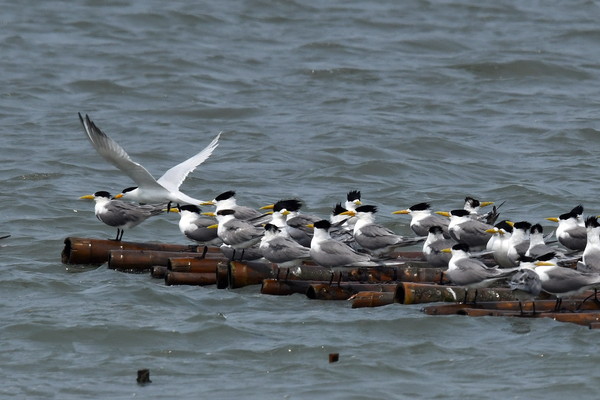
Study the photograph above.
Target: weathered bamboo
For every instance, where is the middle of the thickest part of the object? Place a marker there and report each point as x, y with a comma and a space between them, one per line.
581, 318
144, 260
415, 293
327, 291
159, 271
190, 278
222, 275
250, 273
192, 264
278, 287
372, 299
96, 251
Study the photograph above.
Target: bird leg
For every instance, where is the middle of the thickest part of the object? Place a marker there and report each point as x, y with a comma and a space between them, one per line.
287, 273
558, 304
441, 277
339, 279
533, 306
466, 293
521, 307
119, 234
331, 279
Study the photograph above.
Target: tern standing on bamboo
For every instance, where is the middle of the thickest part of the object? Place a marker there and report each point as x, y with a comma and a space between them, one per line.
120, 214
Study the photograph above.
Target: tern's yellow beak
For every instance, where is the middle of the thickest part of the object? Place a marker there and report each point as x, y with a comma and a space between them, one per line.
119, 196
209, 213
447, 250
485, 203
349, 212
172, 209
310, 225
512, 224
494, 230
268, 207
444, 213
88, 197
401, 212
213, 226
553, 219
544, 263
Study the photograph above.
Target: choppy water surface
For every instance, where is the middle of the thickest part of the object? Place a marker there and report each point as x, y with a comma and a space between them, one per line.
407, 101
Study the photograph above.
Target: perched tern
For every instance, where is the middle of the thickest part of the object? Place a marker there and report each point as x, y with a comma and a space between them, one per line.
227, 201
120, 214
195, 226
433, 246
526, 284
473, 206
330, 253
352, 201
281, 249
236, 233
374, 238
463, 270
590, 261
422, 218
465, 229
148, 190
297, 224
499, 242
564, 282
537, 244
570, 233
518, 244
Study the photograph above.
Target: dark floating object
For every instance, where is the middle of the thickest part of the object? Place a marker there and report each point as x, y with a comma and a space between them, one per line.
334, 357
143, 376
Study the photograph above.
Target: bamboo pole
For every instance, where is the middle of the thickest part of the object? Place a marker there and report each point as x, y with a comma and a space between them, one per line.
192, 264
328, 291
159, 271
96, 251
372, 299
190, 278
222, 275
415, 293
143, 260
278, 287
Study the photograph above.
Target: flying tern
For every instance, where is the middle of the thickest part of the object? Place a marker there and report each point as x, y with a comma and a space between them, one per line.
148, 190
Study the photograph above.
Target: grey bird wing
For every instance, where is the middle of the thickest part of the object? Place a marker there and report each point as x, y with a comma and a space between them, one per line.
376, 236
564, 280
336, 253
282, 249
471, 272
116, 155
175, 176
240, 232
300, 222
122, 213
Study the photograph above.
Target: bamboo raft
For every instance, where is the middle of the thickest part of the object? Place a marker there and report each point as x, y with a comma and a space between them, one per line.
409, 281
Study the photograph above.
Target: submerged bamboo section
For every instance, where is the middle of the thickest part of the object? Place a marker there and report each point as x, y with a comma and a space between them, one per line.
144, 260
573, 311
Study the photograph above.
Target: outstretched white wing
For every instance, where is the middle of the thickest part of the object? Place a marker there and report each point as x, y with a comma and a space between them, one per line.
175, 176
113, 153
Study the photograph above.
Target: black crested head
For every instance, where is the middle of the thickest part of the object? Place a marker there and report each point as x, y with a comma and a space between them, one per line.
536, 228
504, 225
461, 246
577, 210
338, 209
226, 212
526, 259
566, 216
472, 202
591, 222
190, 208
523, 225
420, 207
460, 213
353, 195
367, 209
436, 230
225, 195
547, 256
129, 189
290, 205
322, 224
102, 193
271, 228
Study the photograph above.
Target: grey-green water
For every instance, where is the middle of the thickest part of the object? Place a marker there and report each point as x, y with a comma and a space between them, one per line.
407, 101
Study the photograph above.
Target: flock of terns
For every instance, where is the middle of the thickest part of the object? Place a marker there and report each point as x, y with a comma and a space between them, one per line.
461, 241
